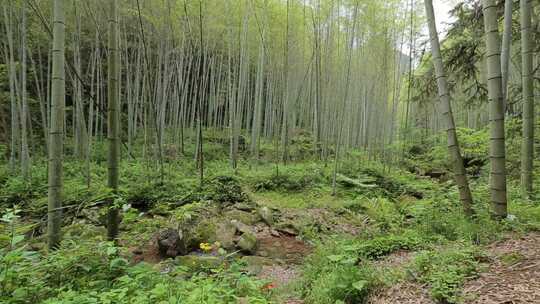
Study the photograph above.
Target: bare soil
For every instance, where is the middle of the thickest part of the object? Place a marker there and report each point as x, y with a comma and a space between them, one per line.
511, 277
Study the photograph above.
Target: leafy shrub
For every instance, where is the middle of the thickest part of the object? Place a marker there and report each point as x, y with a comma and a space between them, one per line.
382, 212
15, 190
95, 272
446, 270
443, 218
220, 189
280, 182
384, 245
331, 273
339, 269
294, 179
344, 283
141, 284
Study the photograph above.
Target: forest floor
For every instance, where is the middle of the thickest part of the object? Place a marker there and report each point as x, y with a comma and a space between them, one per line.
511, 275
254, 236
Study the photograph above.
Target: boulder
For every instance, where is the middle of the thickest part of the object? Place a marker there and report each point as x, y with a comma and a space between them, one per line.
171, 243
225, 233
204, 231
198, 262
254, 264
267, 216
244, 206
243, 228
247, 243
245, 217
287, 228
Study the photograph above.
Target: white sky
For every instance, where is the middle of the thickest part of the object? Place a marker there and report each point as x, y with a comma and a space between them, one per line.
442, 15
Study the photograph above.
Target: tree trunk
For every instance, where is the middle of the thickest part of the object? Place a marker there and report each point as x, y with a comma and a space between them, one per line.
56, 135
113, 130
505, 53
8, 16
460, 175
497, 151
25, 154
527, 148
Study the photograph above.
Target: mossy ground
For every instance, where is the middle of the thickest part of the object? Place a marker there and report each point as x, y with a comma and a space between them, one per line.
385, 211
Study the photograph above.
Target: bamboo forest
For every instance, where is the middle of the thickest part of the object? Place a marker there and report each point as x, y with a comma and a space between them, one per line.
270, 151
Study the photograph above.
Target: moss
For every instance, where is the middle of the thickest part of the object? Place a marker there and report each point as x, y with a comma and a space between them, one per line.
203, 232
198, 263
245, 217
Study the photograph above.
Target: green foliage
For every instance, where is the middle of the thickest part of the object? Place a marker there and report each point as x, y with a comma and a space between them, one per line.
442, 218
383, 245
142, 284
330, 272
446, 270
292, 179
15, 190
221, 189
381, 212
431, 155
96, 272
339, 269
342, 284
388, 182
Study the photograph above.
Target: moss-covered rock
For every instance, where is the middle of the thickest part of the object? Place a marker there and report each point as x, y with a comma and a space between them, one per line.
204, 231
171, 243
254, 264
247, 243
245, 217
225, 234
198, 262
266, 214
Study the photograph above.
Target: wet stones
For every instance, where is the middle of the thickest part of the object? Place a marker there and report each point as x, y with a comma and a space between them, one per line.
171, 243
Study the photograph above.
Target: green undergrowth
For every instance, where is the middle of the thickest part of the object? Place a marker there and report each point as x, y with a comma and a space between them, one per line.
90, 270
391, 210
446, 245
341, 269
445, 270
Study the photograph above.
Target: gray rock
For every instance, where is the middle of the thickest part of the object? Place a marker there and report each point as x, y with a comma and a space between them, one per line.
267, 215
254, 264
274, 232
287, 228
198, 262
247, 243
171, 243
245, 217
93, 216
225, 233
243, 228
244, 206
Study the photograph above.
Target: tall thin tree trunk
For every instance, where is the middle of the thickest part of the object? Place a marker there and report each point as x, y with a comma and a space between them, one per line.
505, 52
56, 135
8, 16
527, 148
25, 154
497, 176
460, 175
113, 125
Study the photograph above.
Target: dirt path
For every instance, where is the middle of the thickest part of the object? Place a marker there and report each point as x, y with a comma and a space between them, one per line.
404, 292
512, 277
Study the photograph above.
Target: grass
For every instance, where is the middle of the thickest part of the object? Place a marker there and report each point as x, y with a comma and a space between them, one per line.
399, 212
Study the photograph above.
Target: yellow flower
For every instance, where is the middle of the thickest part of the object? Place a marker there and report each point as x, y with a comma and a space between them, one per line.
205, 247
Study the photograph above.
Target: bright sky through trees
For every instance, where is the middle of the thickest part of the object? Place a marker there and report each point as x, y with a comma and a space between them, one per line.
442, 14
